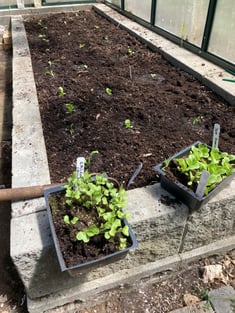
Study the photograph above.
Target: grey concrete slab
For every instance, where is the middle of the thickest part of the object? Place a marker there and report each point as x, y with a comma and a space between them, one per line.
28, 146
209, 224
223, 299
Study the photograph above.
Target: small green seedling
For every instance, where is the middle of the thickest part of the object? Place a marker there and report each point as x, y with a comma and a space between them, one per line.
39, 22
197, 120
127, 123
49, 73
204, 293
71, 129
50, 63
106, 38
65, 22
88, 160
81, 45
61, 91
69, 107
72, 221
83, 67
153, 75
69, 34
43, 37
96, 26
130, 51
109, 91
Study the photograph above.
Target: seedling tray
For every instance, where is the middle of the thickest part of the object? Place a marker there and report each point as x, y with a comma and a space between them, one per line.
84, 267
182, 192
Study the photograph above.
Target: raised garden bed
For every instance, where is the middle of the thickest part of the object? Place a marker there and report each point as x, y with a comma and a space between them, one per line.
109, 77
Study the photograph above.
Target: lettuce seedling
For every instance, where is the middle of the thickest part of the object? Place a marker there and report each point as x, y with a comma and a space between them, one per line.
69, 107
61, 91
219, 164
109, 91
98, 194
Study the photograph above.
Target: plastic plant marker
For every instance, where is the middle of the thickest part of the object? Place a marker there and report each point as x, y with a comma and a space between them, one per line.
202, 184
216, 132
80, 167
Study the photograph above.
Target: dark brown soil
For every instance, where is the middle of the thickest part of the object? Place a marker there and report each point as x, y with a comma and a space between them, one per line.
167, 107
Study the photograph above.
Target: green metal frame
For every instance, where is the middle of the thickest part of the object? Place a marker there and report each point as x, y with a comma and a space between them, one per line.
200, 50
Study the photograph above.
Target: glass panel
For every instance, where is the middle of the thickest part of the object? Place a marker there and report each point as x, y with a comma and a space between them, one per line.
116, 2
183, 18
14, 2
139, 8
222, 36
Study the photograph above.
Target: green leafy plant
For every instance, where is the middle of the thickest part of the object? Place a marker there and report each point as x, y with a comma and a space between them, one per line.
70, 107
127, 123
81, 45
204, 294
61, 91
98, 196
72, 221
88, 160
109, 91
130, 51
40, 23
96, 26
71, 129
153, 75
49, 73
43, 37
200, 158
197, 120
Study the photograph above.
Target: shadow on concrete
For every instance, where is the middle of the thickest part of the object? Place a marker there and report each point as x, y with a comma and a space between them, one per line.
11, 287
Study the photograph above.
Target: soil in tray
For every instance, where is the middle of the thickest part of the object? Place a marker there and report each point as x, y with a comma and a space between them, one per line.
168, 109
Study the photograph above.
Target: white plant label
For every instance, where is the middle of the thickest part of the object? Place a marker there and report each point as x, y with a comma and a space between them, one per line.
202, 184
216, 132
80, 167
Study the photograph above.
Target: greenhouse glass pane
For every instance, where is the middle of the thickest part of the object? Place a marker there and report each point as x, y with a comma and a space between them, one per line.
115, 2
184, 18
14, 2
222, 36
139, 8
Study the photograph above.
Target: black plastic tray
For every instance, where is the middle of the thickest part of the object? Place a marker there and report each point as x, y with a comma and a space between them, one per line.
84, 267
183, 193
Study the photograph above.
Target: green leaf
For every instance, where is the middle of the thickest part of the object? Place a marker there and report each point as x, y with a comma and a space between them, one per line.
74, 220
125, 231
107, 235
82, 236
92, 231
109, 91
66, 219
115, 225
